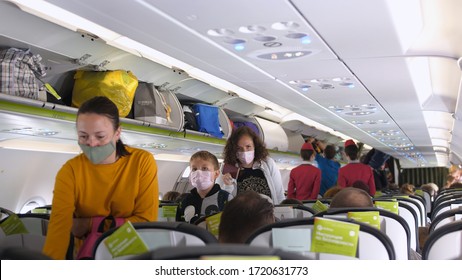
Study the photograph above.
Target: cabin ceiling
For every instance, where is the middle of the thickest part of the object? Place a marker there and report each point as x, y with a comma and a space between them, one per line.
382, 72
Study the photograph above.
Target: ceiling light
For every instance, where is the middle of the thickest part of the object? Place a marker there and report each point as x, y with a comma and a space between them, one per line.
264, 38
283, 55
285, 25
152, 146
220, 32
31, 131
252, 29
440, 149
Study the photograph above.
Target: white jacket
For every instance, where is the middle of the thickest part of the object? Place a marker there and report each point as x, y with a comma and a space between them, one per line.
272, 175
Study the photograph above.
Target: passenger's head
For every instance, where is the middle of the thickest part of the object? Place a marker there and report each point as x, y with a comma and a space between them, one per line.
329, 151
307, 152
430, 188
291, 201
450, 180
351, 197
98, 125
204, 171
359, 184
170, 196
244, 146
456, 185
407, 189
331, 192
351, 150
244, 214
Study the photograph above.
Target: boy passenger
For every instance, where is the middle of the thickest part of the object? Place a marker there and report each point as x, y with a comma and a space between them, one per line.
206, 198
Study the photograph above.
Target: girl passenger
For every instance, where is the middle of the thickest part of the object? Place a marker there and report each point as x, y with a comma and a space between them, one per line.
256, 170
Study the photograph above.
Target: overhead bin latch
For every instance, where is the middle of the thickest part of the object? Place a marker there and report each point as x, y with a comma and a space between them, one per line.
82, 60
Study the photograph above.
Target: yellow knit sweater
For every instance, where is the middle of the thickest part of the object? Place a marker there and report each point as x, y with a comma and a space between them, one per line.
127, 188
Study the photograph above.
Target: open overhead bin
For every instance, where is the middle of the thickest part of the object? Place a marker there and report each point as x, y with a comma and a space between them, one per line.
273, 135
240, 106
305, 130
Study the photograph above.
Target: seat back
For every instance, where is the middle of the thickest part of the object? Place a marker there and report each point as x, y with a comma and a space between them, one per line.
372, 244
410, 216
445, 218
21, 253
394, 226
32, 242
160, 234
35, 223
286, 211
420, 213
165, 214
445, 206
445, 243
228, 251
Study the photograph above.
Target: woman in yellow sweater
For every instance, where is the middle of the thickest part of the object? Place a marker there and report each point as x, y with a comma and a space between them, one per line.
108, 178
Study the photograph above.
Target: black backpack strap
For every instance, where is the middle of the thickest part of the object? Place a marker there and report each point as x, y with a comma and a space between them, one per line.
222, 199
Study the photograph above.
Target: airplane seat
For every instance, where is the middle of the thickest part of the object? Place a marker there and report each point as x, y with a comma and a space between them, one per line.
394, 226
183, 185
21, 253
445, 218
372, 244
35, 223
33, 242
445, 243
167, 212
225, 251
446, 206
160, 234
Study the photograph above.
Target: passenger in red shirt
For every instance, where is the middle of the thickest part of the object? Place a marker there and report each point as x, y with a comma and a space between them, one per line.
355, 170
305, 179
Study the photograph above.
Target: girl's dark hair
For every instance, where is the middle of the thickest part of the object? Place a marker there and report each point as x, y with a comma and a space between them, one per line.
102, 105
230, 150
352, 152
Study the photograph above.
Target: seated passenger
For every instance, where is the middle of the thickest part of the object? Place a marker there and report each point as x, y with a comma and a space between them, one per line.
170, 196
360, 185
407, 189
291, 201
247, 212
206, 198
331, 192
351, 197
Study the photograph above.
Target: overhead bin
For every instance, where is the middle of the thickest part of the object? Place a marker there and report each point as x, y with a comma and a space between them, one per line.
273, 135
241, 106
297, 126
295, 141
198, 90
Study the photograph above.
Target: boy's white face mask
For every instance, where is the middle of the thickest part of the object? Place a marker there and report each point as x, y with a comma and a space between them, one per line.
201, 180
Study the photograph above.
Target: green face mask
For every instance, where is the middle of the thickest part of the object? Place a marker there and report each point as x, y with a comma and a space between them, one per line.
99, 153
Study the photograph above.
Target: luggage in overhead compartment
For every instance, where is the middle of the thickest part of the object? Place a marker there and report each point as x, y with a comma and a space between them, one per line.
150, 105
207, 119
251, 125
21, 74
118, 85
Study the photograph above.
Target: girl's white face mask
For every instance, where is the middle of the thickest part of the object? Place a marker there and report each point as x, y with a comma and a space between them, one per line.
246, 157
201, 180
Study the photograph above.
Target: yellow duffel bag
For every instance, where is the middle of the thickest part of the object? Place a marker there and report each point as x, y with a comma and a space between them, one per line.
117, 85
